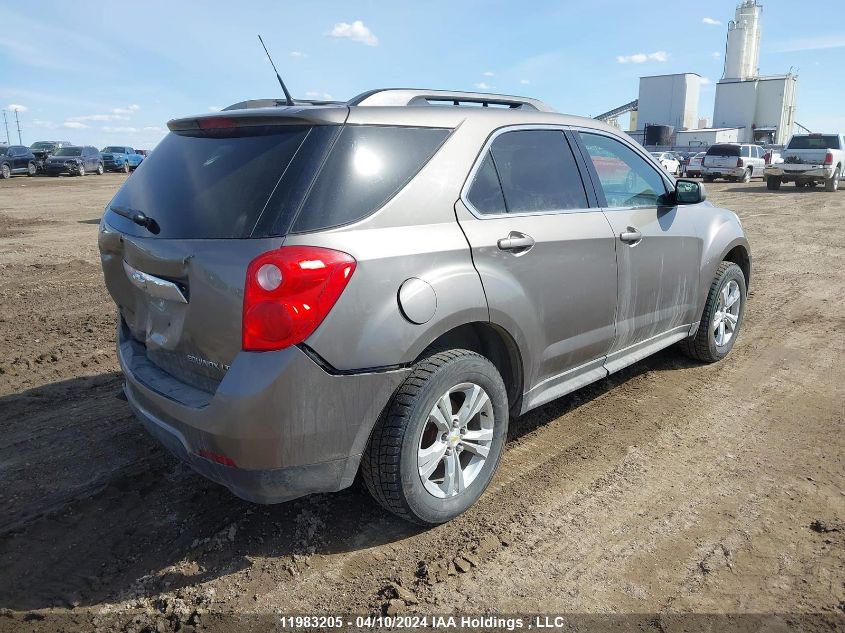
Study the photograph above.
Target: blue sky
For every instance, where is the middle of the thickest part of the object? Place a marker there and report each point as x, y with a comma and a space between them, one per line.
104, 73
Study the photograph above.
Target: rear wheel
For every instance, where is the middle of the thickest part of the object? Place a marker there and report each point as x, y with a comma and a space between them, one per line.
435, 449
773, 183
5, 171
746, 177
722, 316
832, 183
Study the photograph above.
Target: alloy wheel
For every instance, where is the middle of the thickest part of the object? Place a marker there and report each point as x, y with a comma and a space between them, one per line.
726, 318
456, 439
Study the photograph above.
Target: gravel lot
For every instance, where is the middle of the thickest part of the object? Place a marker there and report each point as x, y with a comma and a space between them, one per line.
669, 487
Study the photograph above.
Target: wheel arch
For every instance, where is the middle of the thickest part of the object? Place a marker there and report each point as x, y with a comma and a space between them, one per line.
494, 343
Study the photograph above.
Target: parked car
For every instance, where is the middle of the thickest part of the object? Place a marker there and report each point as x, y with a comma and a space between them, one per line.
693, 169
16, 159
120, 158
733, 162
75, 161
44, 149
809, 160
668, 162
309, 293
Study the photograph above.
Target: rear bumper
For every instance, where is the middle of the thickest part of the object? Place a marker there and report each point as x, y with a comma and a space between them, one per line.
289, 427
723, 172
810, 171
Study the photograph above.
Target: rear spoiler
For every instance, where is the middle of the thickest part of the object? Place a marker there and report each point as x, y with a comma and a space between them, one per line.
309, 114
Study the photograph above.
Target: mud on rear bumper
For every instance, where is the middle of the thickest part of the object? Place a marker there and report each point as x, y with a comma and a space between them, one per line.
290, 427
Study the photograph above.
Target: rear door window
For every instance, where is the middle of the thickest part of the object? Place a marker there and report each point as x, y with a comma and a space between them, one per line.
537, 172
485, 194
367, 166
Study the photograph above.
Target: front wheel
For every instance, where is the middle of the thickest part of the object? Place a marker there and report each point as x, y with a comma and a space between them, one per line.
5, 171
100, 169
80, 170
125, 168
773, 183
435, 449
722, 316
832, 183
31, 169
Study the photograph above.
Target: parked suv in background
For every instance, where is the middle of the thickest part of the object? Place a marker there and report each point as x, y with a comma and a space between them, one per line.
42, 150
75, 161
733, 162
808, 160
16, 159
120, 158
314, 291
694, 166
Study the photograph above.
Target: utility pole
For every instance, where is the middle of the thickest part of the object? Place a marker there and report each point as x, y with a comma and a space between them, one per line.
6, 123
18, 121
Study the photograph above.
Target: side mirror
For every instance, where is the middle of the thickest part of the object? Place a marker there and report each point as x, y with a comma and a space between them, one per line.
689, 192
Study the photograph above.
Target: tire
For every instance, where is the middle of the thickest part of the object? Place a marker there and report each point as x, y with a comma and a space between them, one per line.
832, 183
773, 183
81, 170
100, 169
709, 179
704, 346
746, 177
5, 172
31, 169
390, 466
125, 168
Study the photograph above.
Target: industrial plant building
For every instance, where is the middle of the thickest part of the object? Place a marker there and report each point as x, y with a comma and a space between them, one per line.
749, 108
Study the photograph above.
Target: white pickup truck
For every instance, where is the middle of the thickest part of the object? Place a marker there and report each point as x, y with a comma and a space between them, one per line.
808, 160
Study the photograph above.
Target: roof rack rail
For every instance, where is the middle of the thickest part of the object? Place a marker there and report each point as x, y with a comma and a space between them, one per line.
416, 97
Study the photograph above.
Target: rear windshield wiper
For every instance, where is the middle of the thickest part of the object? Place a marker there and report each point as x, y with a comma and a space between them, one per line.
138, 217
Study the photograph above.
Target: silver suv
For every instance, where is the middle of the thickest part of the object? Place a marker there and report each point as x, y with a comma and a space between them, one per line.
310, 292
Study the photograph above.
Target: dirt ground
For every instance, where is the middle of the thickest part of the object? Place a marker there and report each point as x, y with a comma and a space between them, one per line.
671, 487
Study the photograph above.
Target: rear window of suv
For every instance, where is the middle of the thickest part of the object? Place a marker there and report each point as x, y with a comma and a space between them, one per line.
823, 141
263, 181
724, 150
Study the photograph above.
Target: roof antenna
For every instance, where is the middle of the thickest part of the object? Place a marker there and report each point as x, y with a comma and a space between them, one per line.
288, 98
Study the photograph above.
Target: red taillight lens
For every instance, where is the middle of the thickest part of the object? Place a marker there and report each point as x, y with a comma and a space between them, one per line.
217, 457
289, 292
828, 160
739, 162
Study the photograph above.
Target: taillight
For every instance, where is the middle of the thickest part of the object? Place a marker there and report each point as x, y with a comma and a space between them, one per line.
288, 293
828, 160
739, 162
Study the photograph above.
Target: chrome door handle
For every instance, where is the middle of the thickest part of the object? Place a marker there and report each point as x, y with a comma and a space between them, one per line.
516, 241
631, 235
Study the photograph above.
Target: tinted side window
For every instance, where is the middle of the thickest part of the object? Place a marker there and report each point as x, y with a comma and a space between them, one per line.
626, 178
538, 171
485, 194
746, 151
367, 166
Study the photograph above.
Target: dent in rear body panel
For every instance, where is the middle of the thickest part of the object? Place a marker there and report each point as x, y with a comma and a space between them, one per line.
271, 410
